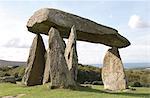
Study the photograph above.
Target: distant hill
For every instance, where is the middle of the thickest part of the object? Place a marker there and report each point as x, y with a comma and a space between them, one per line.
11, 63
129, 65
126, 65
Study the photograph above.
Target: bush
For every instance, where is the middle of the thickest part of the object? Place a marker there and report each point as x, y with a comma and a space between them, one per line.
16, 71
88, 74
2, 73
7, 74
136, 84
138, 77
5, 68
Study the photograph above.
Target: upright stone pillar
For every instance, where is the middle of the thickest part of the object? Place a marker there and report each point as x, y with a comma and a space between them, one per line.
46, 77
113, 74
36, 63
59, 74
71, 54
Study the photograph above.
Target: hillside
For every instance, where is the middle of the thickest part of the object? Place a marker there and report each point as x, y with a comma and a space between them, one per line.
11, 63
126, 65
89, 75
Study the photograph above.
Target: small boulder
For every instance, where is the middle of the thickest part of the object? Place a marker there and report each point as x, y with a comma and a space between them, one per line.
97, 83
10, 79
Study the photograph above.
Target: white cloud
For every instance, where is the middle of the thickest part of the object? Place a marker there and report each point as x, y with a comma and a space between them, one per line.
135, 21
139, 50
15, 40
16, 43
13, 29
14, 54
136, 53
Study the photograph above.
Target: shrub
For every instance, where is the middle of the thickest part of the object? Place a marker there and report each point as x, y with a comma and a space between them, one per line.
5, 68
7, 74
2, 73
17, 72
88, 73
138, 75
136, 84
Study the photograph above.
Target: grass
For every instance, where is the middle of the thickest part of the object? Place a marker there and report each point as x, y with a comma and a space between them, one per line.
42, 91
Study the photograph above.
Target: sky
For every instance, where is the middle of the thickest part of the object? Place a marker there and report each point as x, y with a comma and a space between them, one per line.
130, 17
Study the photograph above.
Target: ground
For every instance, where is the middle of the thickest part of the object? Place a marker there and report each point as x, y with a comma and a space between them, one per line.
42, 91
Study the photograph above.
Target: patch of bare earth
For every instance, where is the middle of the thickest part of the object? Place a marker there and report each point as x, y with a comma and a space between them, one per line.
17, 96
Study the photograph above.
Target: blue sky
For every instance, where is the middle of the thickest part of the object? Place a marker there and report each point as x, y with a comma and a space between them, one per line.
130, 17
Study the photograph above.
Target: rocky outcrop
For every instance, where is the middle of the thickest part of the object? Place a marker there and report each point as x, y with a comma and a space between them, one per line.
71, 54
113, 75
87, 30
46, 78
10, 79
59, 73
36, 63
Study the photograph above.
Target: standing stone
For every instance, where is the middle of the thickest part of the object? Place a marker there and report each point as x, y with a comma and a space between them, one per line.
71, 54
59, 73
113, 75
36, 63
46, 78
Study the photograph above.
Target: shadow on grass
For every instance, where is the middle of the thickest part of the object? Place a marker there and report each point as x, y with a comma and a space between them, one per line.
129, 93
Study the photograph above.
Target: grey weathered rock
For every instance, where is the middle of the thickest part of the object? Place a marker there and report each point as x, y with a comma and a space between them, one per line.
87, 30
71, 54
113, 75
36, 63
59, 73
46, 77
10, 79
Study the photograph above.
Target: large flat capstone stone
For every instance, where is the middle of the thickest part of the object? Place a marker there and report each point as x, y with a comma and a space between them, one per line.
87, 30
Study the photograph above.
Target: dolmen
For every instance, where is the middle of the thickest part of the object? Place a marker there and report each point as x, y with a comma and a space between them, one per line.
59, 63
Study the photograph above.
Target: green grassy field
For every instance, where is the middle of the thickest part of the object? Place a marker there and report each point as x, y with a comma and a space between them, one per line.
42, 91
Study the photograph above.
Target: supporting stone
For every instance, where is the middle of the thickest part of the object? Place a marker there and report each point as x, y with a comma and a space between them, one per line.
59, 73
113, 74
36, 63
71, 54
46, 77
